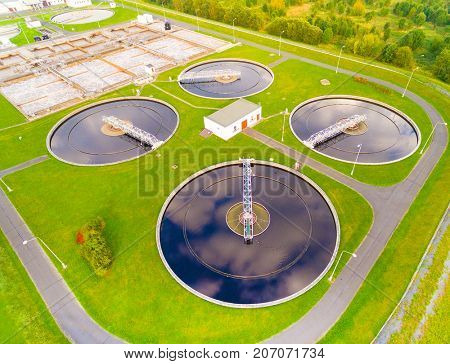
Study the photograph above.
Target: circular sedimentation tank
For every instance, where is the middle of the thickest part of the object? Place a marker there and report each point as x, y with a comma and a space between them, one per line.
82, 138
254, 78
386, 136
82, 16
200, 235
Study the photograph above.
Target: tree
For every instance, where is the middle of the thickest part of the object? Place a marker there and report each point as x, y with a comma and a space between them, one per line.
94, 247
369, 45
358, 8
327, 35
420, 18
404, 57
388, 53
414, 39
441, 67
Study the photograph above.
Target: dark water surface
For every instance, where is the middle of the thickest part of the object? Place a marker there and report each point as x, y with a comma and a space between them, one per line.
389, 136
79, 139
254, 78
209, 258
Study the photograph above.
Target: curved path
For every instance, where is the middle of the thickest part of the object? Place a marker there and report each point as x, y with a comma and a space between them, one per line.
389, 205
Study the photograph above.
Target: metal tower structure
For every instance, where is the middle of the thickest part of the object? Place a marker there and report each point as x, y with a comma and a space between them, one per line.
134, 132
208, 76
247, 200
333, 130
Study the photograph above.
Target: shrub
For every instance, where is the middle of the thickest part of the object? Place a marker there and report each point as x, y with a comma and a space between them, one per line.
441, 67
295, 29
95, 248
404, 57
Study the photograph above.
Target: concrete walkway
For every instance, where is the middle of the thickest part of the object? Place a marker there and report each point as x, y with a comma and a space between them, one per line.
72, 319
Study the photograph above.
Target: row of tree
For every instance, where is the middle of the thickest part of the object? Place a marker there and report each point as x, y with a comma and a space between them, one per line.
212, 9
296, 29
433, 11
338, 29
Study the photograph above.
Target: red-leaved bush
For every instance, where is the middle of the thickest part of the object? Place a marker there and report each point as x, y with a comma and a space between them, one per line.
80, 237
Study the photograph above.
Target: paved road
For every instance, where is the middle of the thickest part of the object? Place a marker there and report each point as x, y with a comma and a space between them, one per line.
74, 322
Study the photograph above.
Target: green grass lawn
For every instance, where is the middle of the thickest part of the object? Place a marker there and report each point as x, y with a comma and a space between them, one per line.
437, 326
24, 316
144, 303
26, 34
388, 279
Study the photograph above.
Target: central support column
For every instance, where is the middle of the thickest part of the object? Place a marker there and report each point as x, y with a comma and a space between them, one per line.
247, 200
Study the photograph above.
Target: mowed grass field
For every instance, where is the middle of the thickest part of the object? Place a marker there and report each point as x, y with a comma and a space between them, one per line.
138, 300
24, 316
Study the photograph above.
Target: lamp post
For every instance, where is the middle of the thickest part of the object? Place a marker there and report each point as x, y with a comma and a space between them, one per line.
409, 80
7, 187
285, 112
429, 136
356, 160
25, 242
339, 58
279, 45
337, 263
164, 11
234, 33
24, 33
137, 10
196, 14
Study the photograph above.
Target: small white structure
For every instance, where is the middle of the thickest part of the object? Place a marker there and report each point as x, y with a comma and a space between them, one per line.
233, 118
78, 3
145, 19
149, 70
33, 24
112, 4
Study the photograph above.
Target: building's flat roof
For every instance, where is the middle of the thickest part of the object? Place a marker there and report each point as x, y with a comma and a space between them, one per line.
233, 112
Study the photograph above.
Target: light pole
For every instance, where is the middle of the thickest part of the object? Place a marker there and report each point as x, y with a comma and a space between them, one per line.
409, 80
25, 242
285, 112
234, 33
339, 58
356, 160
279, 45
24, 33
164, 11
137, 10
429, 136
337, 263
7, 187
196, 14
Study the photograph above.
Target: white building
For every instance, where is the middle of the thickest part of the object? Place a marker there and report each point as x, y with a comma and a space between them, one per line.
145, 19
13, 6
78, 3
233, 118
